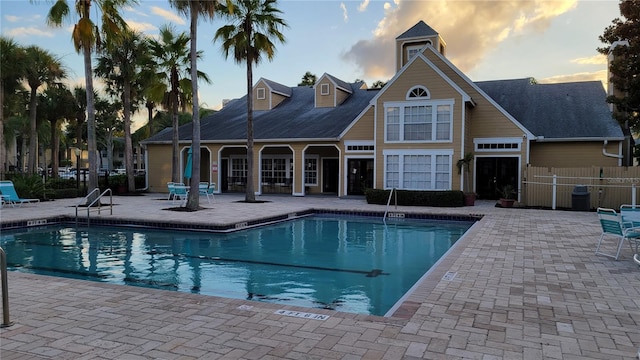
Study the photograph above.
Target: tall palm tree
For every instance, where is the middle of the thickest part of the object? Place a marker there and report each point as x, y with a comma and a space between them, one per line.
254, 23
171, 56
41, 68
86, 37
120, 65
207, 9
11, 71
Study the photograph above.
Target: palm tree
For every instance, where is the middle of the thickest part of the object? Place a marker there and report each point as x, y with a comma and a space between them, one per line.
79, 117
87, 37
56, 104
41, 68
11, 71
120, 65
254, 24
208, 9
171, 56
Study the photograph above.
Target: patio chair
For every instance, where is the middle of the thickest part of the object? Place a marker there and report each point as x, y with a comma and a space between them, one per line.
10, 196
207, 189
180, 192
613, 226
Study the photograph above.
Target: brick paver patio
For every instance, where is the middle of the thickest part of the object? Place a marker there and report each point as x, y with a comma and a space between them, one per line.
522, 284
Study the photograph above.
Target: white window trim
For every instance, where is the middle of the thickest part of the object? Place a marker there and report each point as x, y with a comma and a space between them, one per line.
415, 48
502, 140
317, 171
324, 89
433, 153
434, 104
261, 95
349, 143
418, 98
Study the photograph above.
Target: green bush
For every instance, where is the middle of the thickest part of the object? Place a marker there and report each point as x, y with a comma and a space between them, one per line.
452, 198
29, 186
64, 193
60, 183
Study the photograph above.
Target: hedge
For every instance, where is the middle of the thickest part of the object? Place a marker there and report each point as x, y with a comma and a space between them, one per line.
452, 198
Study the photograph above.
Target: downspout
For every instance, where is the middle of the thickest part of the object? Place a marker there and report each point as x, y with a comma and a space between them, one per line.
605, 153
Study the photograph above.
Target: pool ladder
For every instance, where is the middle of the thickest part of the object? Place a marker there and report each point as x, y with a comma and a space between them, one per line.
94, 202
393, 190
5, 290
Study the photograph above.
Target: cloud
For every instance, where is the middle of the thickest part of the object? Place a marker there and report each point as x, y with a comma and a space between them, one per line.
600, 75
345, 15
167, 15
470, 28
363, 5
142, 27
592, 60
11, 18
29, 31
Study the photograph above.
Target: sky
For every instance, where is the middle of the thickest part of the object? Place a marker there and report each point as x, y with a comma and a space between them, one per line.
549, 40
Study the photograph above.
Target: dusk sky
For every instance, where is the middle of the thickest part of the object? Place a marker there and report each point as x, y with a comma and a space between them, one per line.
552, 41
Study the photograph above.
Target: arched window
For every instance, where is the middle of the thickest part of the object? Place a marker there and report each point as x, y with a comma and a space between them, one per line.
418, 92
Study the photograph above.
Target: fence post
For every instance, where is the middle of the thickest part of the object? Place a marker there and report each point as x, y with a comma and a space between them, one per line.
553, 192
633, 194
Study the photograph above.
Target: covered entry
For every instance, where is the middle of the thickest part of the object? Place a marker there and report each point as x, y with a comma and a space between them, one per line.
492, 173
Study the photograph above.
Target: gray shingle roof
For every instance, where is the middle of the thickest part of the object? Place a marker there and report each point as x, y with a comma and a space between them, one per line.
294, 118
418, 30
342, 84
279, 88
563, 110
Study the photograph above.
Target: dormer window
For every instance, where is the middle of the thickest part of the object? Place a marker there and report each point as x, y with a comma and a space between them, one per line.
324, 89
418, 92
261, 93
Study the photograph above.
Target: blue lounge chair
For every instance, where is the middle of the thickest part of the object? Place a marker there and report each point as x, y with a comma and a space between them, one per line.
613, 226
10, 196
207, 189
180, 192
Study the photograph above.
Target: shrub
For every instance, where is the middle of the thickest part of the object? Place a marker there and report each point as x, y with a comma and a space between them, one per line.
29, 186
454, 198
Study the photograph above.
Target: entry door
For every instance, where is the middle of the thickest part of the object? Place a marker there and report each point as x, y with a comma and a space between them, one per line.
492, 173
330, 175
360, 176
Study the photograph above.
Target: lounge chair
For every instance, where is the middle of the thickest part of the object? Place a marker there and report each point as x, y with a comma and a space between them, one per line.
207, 189
180, 192
10, 196
613, 226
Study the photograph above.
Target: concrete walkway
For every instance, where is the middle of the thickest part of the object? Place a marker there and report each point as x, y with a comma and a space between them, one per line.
521, 284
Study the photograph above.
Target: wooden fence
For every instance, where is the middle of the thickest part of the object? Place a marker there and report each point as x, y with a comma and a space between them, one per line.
608, 186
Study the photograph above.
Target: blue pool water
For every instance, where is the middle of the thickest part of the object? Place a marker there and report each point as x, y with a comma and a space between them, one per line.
350, 264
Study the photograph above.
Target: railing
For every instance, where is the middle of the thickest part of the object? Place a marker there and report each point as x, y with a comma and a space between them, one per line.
384, 218
94, 202
5, 290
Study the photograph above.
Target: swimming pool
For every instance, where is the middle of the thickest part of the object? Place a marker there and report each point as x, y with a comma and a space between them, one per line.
351, 264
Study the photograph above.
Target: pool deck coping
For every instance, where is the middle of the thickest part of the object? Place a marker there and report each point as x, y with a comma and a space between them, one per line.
521, 284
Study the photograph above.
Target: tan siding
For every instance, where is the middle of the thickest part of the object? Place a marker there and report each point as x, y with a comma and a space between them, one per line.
325, 100
438, 89
363, 129
276, 99
341, 96
261, 104
159, 167
576, 154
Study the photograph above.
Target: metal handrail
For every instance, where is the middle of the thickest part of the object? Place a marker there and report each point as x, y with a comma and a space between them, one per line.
96, 200
6, 322
384, 218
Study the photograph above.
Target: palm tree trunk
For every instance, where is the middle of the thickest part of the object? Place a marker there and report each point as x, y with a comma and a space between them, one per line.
55, 149
91, 126
193, 202
33, 134
250, 195
128, 149
2, 142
